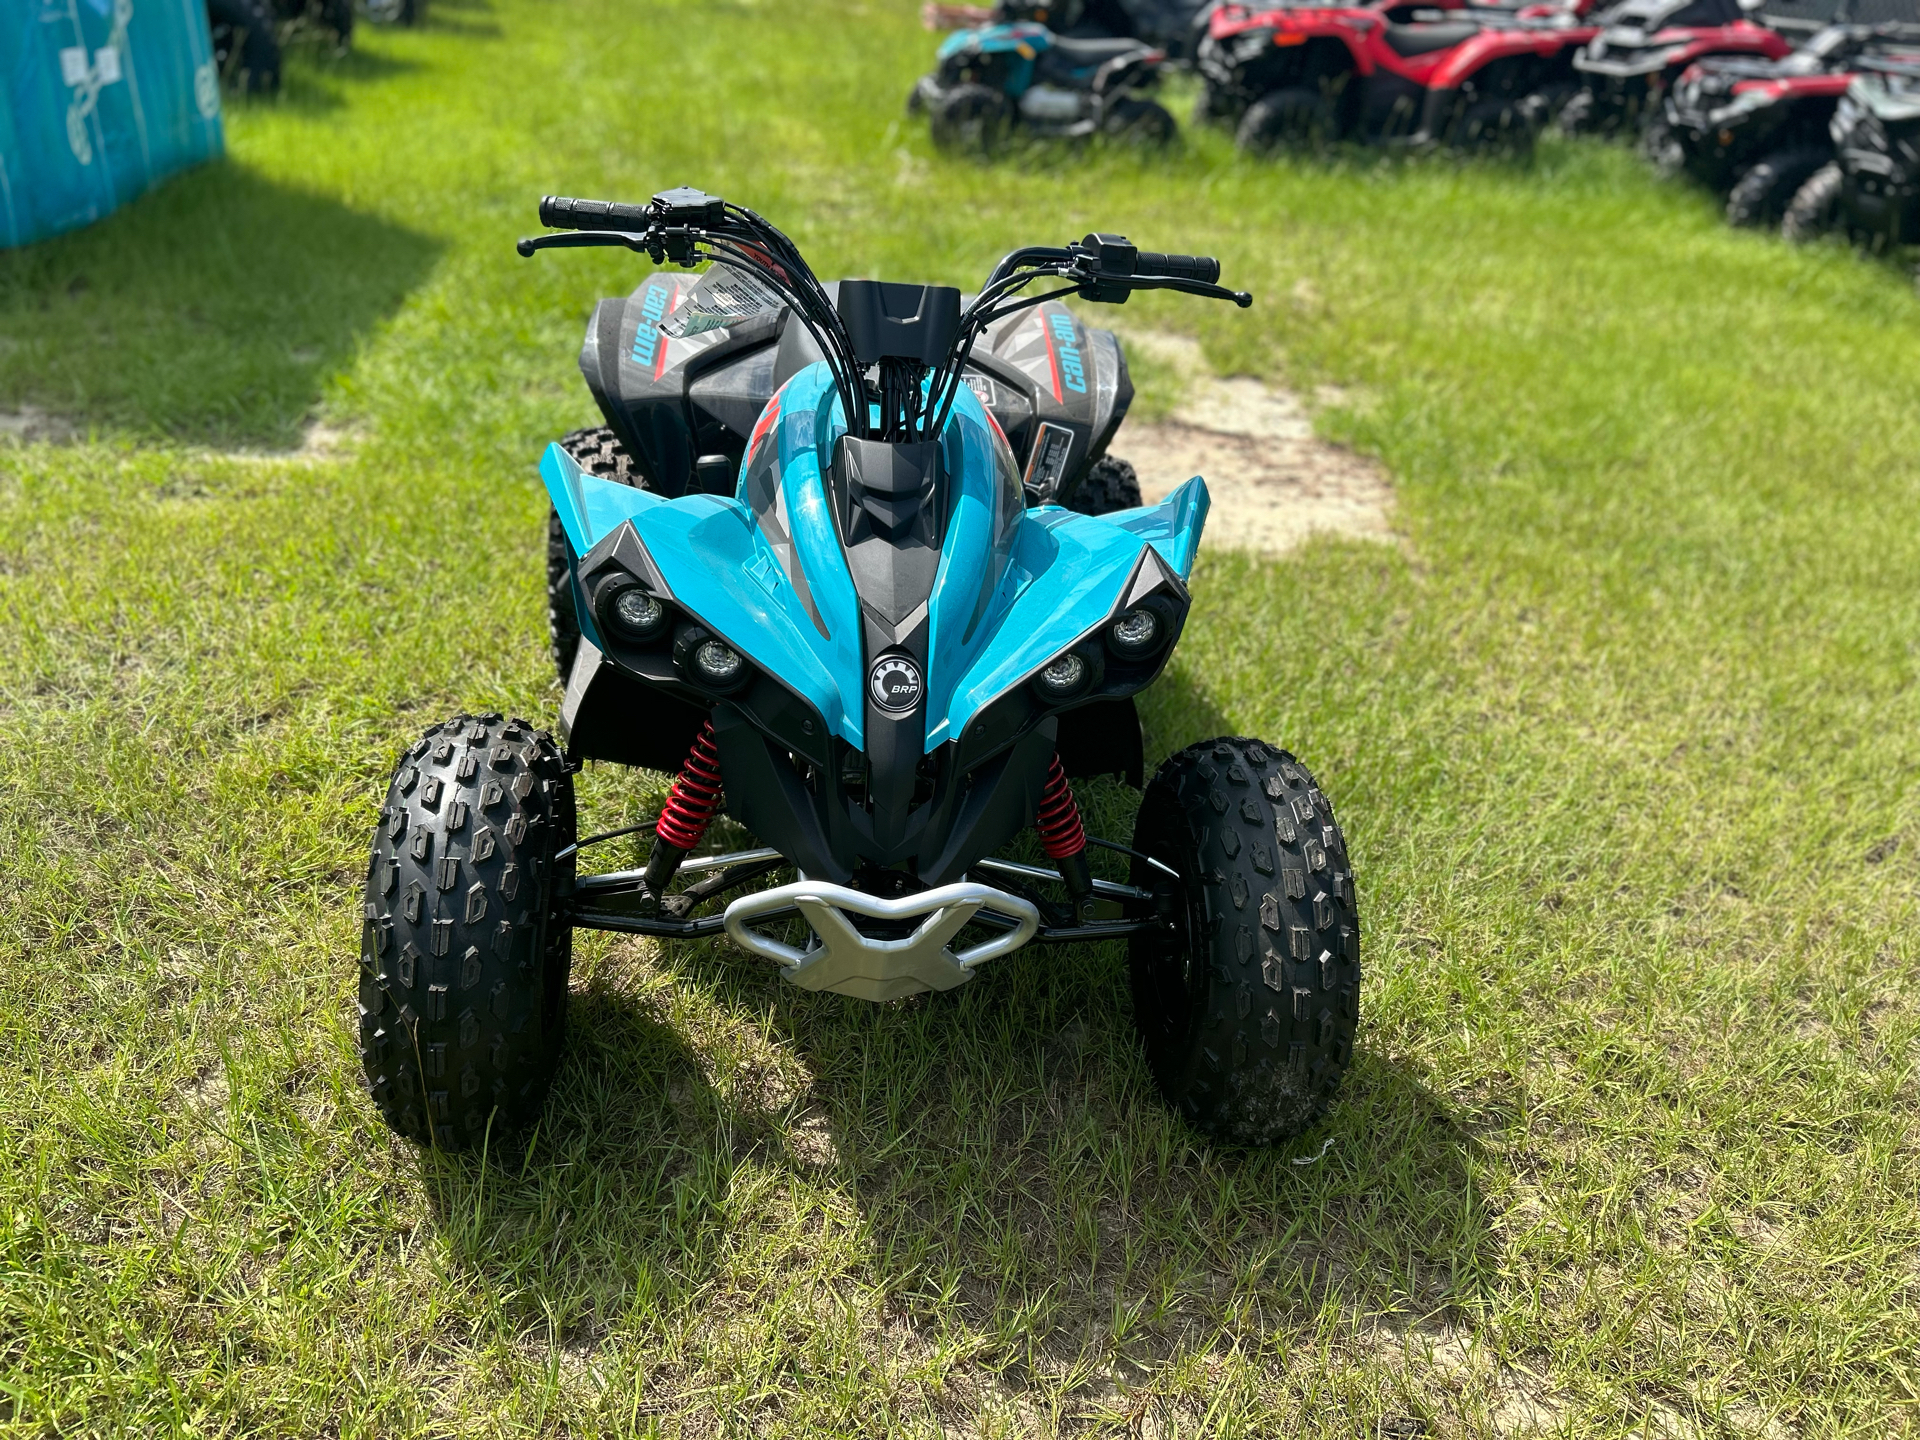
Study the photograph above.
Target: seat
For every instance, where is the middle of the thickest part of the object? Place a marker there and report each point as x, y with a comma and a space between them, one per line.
1091, 54
1425, 39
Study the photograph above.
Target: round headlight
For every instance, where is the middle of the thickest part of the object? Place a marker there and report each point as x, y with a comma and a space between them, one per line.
1063, 676
638, 613
717, 663
1135, 633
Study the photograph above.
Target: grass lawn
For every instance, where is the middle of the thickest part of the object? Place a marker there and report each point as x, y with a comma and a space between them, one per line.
1623, 735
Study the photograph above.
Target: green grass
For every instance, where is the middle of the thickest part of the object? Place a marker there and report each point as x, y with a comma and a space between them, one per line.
1623, 735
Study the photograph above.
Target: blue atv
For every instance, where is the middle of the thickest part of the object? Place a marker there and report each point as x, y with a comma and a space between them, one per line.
883, 651
999, 78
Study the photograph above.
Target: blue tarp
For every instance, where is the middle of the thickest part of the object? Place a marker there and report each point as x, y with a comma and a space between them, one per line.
100, 101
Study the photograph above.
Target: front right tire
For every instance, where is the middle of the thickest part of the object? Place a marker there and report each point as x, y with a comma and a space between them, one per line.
463, 958
1815, 208
1246, 993
1295, 118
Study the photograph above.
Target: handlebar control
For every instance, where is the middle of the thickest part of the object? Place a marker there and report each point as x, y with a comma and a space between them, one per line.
560, 212
684, 206
1202, 268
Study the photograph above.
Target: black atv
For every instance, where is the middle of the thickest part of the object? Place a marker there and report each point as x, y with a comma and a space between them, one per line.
680, 411
1870, 191
249, 35
991, 81
1755, 130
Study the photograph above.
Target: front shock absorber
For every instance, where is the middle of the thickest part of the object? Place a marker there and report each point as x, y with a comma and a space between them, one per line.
1065, 840
690, 808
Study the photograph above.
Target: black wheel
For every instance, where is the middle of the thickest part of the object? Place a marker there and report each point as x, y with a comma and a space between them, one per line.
971, 118
597, 451
1139, 122
1761, 196
1286, 119
1661, 146
246, 47
1247, 996
1213, 106
1109, 485
1578, 114
463, 965
1500, 125
337, 16
1815, 207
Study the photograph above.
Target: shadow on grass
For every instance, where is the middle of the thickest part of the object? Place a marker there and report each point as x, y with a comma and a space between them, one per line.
995, 1162
213, 309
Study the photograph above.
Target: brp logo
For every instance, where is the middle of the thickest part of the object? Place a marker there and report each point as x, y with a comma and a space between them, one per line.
894, 684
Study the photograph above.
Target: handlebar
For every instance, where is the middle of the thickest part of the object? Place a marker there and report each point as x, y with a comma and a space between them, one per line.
688, 227
561, 212
1203, 269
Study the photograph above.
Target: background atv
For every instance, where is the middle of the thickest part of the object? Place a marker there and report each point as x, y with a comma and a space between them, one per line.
1175, 26
1754, 130
1390, 73
993, 80
1627, 69
1870, 191
876, 644
248, 35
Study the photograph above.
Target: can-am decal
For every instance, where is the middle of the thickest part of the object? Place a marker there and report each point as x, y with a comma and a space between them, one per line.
1064, 350
646, 339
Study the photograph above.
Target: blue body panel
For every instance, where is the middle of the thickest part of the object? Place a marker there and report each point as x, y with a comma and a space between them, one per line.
765, 569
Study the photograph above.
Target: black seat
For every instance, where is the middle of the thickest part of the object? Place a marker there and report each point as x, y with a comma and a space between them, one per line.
1091, 54
1424, 39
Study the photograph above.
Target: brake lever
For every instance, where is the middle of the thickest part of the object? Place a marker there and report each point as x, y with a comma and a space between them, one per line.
576, 239
1189, 287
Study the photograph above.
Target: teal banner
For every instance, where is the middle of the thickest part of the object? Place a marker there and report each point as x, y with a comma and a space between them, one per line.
103, 99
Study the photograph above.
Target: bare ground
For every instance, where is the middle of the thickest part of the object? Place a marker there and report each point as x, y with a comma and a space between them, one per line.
1272, 481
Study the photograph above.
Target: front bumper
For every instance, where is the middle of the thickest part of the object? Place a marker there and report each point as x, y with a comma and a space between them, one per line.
848, 962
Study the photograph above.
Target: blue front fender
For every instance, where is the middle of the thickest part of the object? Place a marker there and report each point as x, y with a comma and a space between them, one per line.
1066, 575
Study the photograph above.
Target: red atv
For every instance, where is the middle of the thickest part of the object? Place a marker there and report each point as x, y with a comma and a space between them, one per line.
1754, 130
1395, 74
1628, 68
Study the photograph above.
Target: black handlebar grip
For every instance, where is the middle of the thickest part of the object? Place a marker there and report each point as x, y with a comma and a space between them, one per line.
559, 212
1203, 268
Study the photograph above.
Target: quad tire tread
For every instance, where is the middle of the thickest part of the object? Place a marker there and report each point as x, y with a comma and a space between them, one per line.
1761, 196
597, 451
463, 970
1249, 1034
1110, 484
1815, 207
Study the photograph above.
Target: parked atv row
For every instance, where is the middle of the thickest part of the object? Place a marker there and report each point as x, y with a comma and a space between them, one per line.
1757, 131
1476, 77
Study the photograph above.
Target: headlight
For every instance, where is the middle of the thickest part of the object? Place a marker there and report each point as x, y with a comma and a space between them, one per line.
717, 663
626, 612
1135, 634
704, 659
1064, 676
638, 614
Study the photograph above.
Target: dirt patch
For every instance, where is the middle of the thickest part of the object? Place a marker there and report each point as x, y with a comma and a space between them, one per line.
30, 423
1273, 482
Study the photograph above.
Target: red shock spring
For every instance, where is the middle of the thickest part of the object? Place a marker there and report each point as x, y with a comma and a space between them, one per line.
695, 795
1061, 834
